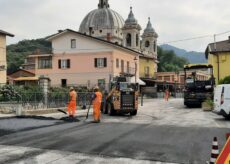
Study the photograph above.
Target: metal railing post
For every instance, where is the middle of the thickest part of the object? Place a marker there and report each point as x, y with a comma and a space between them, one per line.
142, 99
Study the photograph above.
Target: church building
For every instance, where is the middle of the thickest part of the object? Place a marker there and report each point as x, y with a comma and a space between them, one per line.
105, 46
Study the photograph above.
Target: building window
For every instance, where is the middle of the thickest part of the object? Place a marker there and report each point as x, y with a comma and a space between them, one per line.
100, 31
122, 66
63, 82
137, 40
44, 63
147, 71
167, 78
128, 67
117, 63
2, 67
101, 84
64, 64
100, 62
147, 44
73, 43
128, 40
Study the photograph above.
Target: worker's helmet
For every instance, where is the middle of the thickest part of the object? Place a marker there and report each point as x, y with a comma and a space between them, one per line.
71, 88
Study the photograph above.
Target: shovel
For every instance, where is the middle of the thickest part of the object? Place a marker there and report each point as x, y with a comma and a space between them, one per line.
87, 116
62, 111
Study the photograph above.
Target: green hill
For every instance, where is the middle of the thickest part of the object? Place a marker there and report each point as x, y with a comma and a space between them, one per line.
192, 56
16, 53
169, 61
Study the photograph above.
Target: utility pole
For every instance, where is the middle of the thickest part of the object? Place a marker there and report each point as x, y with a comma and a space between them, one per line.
218, 59
135, 59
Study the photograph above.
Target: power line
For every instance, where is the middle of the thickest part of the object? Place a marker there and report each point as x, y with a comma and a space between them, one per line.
223, 33
194, 38
174, 41
188, 39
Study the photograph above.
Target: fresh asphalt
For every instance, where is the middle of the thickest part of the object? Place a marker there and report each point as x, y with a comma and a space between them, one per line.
161, 131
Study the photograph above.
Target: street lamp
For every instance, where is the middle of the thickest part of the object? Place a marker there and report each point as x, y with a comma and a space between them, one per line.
135, 60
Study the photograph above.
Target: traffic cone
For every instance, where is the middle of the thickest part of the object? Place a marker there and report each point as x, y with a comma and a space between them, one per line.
215, 151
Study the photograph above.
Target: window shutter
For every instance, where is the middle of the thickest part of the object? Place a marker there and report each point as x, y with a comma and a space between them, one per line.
95, 62
68, 63
105, 62
59, 64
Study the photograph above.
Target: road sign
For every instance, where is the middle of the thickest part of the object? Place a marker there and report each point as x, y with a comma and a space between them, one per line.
224, 157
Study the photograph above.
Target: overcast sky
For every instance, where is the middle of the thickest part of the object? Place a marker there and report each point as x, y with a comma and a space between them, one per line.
172, 19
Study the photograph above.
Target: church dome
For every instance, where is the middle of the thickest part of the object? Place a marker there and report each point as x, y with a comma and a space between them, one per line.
102, 18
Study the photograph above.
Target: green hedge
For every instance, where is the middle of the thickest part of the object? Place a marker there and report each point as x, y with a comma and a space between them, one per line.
226, 80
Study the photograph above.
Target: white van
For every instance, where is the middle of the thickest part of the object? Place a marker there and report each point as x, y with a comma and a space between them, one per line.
222, 100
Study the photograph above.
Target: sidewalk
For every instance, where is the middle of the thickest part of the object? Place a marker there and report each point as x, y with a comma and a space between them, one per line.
47, 113
6, 115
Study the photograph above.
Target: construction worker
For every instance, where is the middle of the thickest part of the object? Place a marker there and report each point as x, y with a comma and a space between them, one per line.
72, 105
167, 95
97, 99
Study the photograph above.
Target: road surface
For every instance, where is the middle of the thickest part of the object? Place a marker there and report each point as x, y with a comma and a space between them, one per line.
166, 132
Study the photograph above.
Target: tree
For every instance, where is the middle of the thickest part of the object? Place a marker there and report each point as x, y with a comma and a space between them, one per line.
16, 53
169, 61
226, 80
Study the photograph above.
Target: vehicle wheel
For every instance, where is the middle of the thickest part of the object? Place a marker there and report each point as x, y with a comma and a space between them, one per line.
133, 113
185, 104
110, 109
188, 106
227, 117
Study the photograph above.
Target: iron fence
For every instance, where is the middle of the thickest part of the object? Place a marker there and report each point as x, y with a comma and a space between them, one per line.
41, 100
161, 95
33, 101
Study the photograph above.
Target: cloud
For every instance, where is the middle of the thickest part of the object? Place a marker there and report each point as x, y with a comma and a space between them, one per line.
172, 20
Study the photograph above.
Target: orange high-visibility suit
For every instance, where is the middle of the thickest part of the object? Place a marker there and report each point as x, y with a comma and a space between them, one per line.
72, 106
97, 106
166, 95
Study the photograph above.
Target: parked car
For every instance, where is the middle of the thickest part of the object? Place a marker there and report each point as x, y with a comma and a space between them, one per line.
222, 100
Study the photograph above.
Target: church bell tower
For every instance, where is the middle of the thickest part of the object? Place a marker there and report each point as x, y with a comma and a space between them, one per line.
149, 40
131, 32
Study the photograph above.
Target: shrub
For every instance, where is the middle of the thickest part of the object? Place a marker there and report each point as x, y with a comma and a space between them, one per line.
226, 80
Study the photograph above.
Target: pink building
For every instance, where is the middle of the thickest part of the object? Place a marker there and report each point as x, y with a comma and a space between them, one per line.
79, 59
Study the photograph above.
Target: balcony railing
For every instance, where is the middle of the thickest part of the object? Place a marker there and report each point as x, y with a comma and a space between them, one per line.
130, 71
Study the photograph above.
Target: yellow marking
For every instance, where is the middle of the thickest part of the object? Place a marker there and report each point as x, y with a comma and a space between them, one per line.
227, 160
